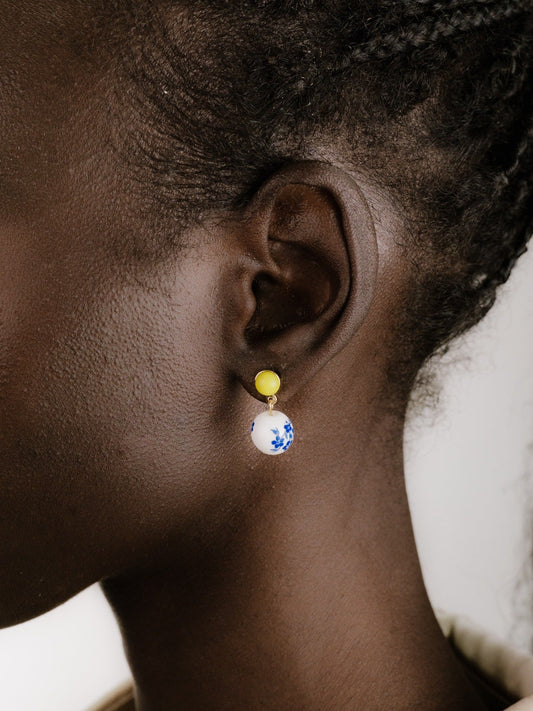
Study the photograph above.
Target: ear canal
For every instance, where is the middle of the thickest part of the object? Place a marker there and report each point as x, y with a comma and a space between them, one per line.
301, 291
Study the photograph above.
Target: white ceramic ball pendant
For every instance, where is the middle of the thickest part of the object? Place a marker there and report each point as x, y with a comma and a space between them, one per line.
272, 432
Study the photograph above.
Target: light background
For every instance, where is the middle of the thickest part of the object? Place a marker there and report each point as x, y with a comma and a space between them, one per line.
469, 465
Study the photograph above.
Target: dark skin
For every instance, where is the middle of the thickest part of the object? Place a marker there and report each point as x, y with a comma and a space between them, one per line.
240, 581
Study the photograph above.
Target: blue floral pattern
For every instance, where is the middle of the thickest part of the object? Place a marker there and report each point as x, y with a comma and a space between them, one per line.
282, 440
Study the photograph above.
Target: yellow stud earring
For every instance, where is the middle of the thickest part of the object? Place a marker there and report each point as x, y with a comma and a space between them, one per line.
272, 431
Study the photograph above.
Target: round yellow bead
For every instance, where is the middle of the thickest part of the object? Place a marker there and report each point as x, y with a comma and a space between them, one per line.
267, 382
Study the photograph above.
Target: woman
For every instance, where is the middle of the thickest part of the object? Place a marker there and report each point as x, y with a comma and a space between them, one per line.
193, 193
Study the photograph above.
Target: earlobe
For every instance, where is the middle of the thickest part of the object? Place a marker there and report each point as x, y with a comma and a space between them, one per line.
312, 234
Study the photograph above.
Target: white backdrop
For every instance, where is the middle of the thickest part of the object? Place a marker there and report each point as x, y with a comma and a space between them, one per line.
469, 469
469, 466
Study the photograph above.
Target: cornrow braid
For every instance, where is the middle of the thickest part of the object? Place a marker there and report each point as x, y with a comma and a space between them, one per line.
487, 216
437, 25
412, 7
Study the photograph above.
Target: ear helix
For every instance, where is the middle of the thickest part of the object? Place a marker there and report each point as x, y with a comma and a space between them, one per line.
272, 431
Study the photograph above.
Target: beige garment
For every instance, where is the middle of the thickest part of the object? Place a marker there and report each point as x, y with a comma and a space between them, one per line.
501, 666
496, 669
121, 699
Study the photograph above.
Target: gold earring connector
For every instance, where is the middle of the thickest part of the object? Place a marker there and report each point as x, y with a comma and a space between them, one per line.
272, 400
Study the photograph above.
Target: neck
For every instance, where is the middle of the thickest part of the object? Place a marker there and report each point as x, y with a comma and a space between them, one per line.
311, 598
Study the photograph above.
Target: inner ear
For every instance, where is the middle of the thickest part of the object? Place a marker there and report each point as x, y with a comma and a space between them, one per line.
306, 244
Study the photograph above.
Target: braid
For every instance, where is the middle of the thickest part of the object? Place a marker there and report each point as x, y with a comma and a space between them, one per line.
437, 25
412, 7
487, 216
510, 159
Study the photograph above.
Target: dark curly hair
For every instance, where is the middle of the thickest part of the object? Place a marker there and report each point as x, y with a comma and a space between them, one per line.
432, 100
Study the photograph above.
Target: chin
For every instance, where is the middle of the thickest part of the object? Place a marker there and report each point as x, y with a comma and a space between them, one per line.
21, 603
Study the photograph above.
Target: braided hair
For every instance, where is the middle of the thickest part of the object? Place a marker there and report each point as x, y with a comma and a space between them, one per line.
433, 100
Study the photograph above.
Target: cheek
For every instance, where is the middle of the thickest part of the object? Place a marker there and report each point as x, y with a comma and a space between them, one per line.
108, 379
106, 408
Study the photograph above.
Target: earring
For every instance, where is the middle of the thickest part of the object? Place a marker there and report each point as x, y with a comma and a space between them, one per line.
272, 431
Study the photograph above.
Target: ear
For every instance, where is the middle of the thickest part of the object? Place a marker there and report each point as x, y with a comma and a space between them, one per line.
310, 277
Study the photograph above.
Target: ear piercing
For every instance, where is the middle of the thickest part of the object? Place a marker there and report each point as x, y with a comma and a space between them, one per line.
272, 431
